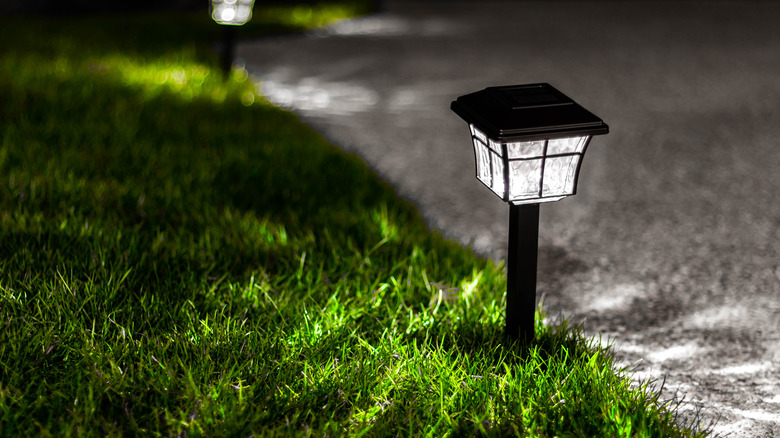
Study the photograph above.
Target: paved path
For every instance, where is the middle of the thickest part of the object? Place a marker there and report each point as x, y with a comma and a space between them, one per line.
671, 246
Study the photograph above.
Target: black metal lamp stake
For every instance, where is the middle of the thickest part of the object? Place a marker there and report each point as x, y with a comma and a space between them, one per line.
529, 141
226, 60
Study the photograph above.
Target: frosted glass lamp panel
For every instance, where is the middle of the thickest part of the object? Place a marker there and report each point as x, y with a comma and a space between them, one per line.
498, 176
567, 145
525, 149
496, 146
559, 175
482, 155
583, 142
479, 134
524, 179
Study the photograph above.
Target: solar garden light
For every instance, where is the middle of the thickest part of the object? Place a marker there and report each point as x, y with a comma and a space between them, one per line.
230, 13
528, 144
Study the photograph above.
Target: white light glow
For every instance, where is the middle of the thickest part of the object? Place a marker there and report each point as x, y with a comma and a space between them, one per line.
539, 170
525, 149
559, 174
233, 12
678, 352
228, 14
498, 176
748, 368
567, 145
524, 179
496, 146
316, 97
479, 134
243, 14
482, 155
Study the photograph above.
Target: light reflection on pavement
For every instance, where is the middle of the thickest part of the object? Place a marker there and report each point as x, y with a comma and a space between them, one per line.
670, 248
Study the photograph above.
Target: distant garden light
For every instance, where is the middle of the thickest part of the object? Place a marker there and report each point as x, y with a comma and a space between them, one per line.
230, 13
528, 141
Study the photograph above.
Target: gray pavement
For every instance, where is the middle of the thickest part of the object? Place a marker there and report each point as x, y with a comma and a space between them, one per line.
670, 248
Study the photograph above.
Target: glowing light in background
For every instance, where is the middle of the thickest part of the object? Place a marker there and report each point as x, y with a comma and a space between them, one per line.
228, 14
232, 12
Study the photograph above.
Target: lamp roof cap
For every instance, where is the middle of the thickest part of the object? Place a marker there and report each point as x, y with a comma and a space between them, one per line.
516, 112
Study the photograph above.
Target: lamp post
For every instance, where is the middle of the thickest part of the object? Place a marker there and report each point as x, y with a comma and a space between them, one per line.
528, 141
230, 13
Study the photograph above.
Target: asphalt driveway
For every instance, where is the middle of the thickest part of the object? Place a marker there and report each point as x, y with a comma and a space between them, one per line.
670, 248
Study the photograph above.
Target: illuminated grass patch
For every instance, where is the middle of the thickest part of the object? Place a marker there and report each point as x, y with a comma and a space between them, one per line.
179, 256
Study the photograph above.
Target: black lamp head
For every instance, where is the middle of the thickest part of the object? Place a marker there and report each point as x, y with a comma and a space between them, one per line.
528, 140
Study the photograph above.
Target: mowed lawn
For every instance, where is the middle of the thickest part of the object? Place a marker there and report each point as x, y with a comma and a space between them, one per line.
180, 257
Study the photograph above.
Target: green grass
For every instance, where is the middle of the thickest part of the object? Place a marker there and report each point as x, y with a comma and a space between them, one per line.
179, 256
